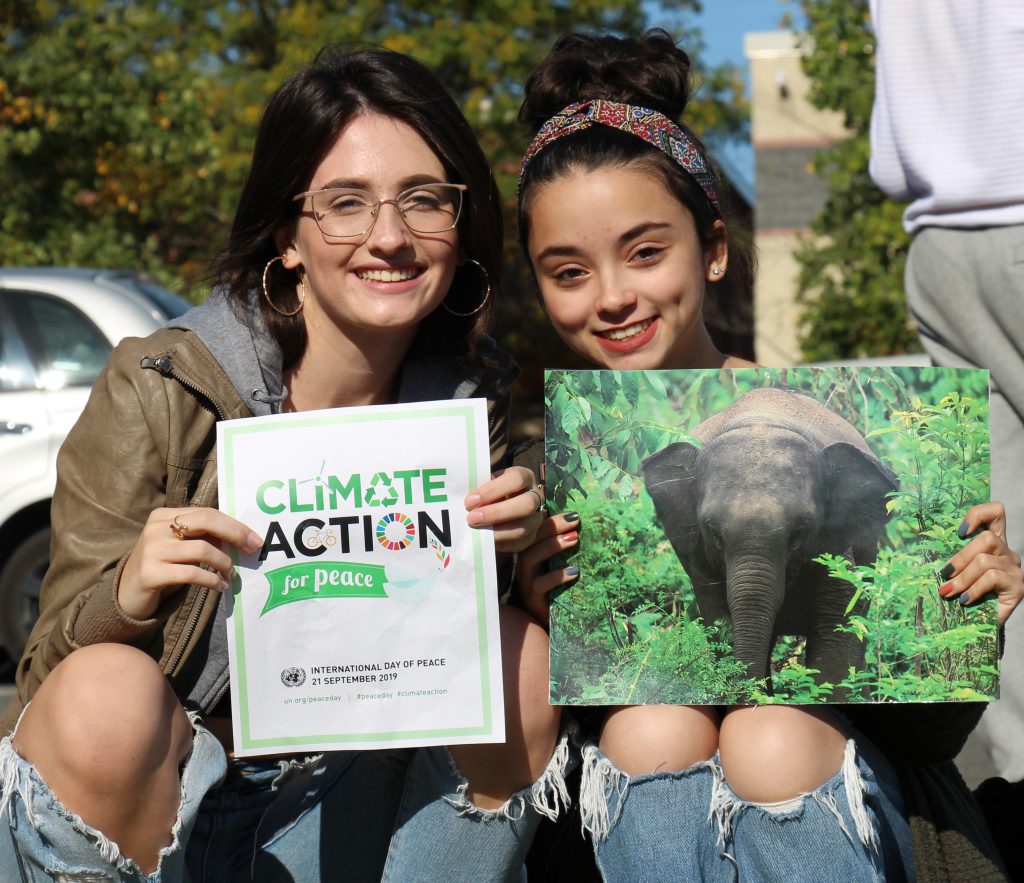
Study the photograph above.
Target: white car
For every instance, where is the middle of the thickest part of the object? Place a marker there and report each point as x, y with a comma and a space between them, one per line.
57, 328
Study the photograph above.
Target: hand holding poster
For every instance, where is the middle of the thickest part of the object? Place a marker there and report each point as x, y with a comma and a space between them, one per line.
369, 617
768, 535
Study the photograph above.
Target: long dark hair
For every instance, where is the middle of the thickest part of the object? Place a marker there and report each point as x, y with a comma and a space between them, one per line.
301, 122
649, 71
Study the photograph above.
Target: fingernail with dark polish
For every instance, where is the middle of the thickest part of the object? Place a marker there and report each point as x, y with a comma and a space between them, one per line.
572, 571
946, 572
965, 600
961, 531
571, 517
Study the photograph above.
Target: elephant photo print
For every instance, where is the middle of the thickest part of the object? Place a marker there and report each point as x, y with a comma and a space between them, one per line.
767, 535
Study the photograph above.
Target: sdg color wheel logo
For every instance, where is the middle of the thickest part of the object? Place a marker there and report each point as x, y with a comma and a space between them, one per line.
395, 531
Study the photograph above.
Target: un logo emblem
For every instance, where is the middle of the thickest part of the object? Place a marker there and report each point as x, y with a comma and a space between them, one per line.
293, 677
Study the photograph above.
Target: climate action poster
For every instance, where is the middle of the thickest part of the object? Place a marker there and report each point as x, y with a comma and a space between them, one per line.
369, 617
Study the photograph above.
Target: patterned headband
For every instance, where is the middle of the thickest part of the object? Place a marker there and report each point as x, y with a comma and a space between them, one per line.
653, 127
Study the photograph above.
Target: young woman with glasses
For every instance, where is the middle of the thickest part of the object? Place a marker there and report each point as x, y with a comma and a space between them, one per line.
362, 268
620, 218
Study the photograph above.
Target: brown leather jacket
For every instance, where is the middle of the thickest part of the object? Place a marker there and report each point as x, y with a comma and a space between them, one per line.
147, 439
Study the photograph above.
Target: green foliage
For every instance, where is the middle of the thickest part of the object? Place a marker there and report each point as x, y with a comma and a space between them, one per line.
918, 645
107, 148
594, 429
126, 127
629, 630
851, 265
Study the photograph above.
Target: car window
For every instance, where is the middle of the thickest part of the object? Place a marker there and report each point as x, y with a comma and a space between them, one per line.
169, 303
17, 372
65, 346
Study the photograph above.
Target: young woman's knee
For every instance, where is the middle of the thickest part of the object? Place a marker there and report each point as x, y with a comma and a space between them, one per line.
773, 753
104, 714
524, 646
642, 739
496, 772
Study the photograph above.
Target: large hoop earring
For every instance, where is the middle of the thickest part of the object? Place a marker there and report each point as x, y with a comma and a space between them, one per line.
266, 292
487, 292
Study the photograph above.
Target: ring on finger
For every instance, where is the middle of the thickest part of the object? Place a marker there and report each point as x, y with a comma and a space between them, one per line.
179, 527
539, 496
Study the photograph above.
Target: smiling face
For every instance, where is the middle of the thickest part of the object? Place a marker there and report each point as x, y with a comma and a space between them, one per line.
390, 279
621, 269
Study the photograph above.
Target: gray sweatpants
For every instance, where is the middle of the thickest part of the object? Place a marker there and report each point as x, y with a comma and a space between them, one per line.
965, 289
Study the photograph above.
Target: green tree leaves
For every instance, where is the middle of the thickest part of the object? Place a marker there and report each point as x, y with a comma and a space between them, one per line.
851, 266
598, 434
126, 127
108, 155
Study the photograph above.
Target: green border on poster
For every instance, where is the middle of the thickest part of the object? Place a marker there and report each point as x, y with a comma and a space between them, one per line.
230, 433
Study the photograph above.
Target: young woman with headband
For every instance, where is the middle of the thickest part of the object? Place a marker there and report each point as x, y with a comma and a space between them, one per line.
620, 218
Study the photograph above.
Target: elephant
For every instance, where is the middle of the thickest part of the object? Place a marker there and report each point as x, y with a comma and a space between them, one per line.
777, 480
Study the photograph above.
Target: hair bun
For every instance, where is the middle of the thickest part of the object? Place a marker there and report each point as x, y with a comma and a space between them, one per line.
650, 71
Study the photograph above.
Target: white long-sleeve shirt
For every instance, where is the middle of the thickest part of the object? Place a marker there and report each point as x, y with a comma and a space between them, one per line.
947, 127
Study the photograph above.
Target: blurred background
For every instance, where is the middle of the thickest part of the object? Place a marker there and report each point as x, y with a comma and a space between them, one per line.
126, 128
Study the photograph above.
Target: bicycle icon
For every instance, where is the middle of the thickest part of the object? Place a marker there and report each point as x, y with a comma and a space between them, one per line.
314, 538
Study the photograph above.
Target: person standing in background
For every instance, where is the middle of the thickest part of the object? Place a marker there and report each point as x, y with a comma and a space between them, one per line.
947, 135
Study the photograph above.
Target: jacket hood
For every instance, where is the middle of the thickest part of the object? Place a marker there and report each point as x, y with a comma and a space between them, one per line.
250, 356
247, 352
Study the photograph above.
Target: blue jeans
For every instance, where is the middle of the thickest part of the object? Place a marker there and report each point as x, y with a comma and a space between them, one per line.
398, 815
688, 825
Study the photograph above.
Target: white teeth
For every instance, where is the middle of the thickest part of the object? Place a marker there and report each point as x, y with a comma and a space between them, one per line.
631, 331
387, 275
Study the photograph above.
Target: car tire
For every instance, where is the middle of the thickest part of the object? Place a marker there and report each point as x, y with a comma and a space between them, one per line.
20, 580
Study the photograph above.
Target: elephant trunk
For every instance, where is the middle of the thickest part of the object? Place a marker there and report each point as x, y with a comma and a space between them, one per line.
755, 588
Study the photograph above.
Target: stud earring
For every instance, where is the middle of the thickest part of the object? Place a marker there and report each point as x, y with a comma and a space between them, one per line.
717, 270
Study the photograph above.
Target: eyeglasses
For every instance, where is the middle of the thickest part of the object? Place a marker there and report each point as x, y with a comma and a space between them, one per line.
425, 208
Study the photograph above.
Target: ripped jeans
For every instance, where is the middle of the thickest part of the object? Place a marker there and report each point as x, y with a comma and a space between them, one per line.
688, 825
394, 815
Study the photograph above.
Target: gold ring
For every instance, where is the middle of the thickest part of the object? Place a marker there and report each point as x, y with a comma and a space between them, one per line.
539, 496
178, 527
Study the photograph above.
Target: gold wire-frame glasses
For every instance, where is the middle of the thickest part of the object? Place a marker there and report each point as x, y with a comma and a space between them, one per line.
346, 211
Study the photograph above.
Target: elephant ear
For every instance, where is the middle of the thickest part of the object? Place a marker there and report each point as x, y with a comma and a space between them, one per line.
859, 484
671, 479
